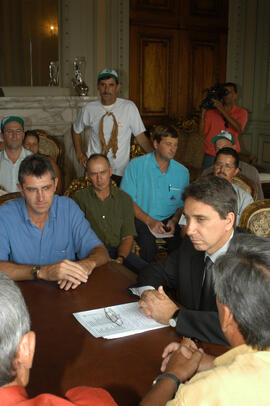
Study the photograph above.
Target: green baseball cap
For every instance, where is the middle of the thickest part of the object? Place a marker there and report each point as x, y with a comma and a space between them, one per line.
8, 119
108, 73
225, 135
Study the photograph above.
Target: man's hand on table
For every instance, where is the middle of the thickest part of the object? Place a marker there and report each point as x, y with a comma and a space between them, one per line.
69, 274
157, 305
186, 347
182, 366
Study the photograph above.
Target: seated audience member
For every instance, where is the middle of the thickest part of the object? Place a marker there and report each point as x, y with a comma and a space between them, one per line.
42, 234
155, 182
210, 206
110, 212
225, 139
17, 344
240, 376
226, 165
31, 142
13, 153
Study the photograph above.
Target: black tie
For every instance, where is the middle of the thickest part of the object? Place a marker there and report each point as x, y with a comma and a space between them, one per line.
207, 294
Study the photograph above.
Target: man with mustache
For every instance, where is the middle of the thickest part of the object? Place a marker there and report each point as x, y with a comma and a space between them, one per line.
112, 120
226, 165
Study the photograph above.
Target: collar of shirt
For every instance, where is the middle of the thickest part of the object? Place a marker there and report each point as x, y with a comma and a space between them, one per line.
25, 211
111, 195
221, 251
155, 163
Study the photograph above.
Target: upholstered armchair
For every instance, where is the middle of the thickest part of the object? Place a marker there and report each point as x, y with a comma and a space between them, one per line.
9, 196
256, 218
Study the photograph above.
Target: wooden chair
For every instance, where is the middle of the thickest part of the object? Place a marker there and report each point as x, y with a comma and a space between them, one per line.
246, 184
9, 196
76, 185
256, 218
79, 184
49, 145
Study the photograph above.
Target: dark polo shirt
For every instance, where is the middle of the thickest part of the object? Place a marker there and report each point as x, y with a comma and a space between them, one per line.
112, 219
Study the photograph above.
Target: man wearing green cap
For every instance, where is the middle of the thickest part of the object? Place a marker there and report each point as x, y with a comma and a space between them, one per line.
12, 128
112, 120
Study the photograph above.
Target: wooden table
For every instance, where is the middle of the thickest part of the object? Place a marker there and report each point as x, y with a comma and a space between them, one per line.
67, 355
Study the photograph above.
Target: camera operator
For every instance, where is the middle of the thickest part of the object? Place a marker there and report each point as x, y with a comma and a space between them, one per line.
223, 115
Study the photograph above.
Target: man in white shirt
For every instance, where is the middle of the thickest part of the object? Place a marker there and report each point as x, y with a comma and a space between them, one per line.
12, 155
112, 120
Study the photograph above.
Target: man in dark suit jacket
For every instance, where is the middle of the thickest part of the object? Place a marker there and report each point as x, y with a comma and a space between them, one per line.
210, 204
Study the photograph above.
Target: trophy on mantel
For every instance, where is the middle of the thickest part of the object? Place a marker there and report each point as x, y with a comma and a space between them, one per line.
78, 81
54, 73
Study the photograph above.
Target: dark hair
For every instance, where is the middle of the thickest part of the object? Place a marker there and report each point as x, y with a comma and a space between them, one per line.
163, 131
231, 84
32, 133
242, 282
36, 165
216, 192
229, 151
93, 157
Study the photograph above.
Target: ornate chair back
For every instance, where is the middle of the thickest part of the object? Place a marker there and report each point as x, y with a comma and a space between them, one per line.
247, 184
49, 145
256, 218
9, 196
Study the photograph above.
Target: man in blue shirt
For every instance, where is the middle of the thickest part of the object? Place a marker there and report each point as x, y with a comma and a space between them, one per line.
42, 235
155, 182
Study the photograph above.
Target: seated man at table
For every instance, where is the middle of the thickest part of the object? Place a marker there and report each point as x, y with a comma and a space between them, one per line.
12, 129
110, 212
17, 345
155, 183
226, 165
42, 234
240, 376
210, 206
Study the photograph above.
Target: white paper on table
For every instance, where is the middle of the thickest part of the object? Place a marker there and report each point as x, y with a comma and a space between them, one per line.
134, 322
160, 235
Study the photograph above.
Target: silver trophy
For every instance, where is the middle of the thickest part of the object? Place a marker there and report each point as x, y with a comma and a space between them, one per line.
78, 81
54, 73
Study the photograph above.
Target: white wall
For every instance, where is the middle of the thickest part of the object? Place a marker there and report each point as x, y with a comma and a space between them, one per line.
248, 64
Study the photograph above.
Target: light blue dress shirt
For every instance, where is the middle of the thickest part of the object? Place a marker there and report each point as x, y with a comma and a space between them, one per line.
157, 194
66, 235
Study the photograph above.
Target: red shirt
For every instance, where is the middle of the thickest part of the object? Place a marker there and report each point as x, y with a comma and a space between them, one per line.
214, 123
79, 396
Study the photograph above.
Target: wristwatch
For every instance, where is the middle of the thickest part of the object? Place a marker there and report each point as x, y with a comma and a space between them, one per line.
123, 258
35, 271
173, 319
171, 376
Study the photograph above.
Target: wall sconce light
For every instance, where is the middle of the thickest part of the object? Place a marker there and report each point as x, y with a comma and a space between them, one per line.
53, 30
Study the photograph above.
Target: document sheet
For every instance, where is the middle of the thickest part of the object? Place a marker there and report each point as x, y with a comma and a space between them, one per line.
116, 321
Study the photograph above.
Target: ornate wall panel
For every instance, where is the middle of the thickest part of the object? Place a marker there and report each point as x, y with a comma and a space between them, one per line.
153, 81
161, 12
169, 67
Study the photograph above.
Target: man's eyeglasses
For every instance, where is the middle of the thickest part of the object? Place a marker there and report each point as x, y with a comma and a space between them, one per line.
10, 131
226, 166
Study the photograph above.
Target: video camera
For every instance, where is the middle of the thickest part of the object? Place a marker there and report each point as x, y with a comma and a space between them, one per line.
216, 92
